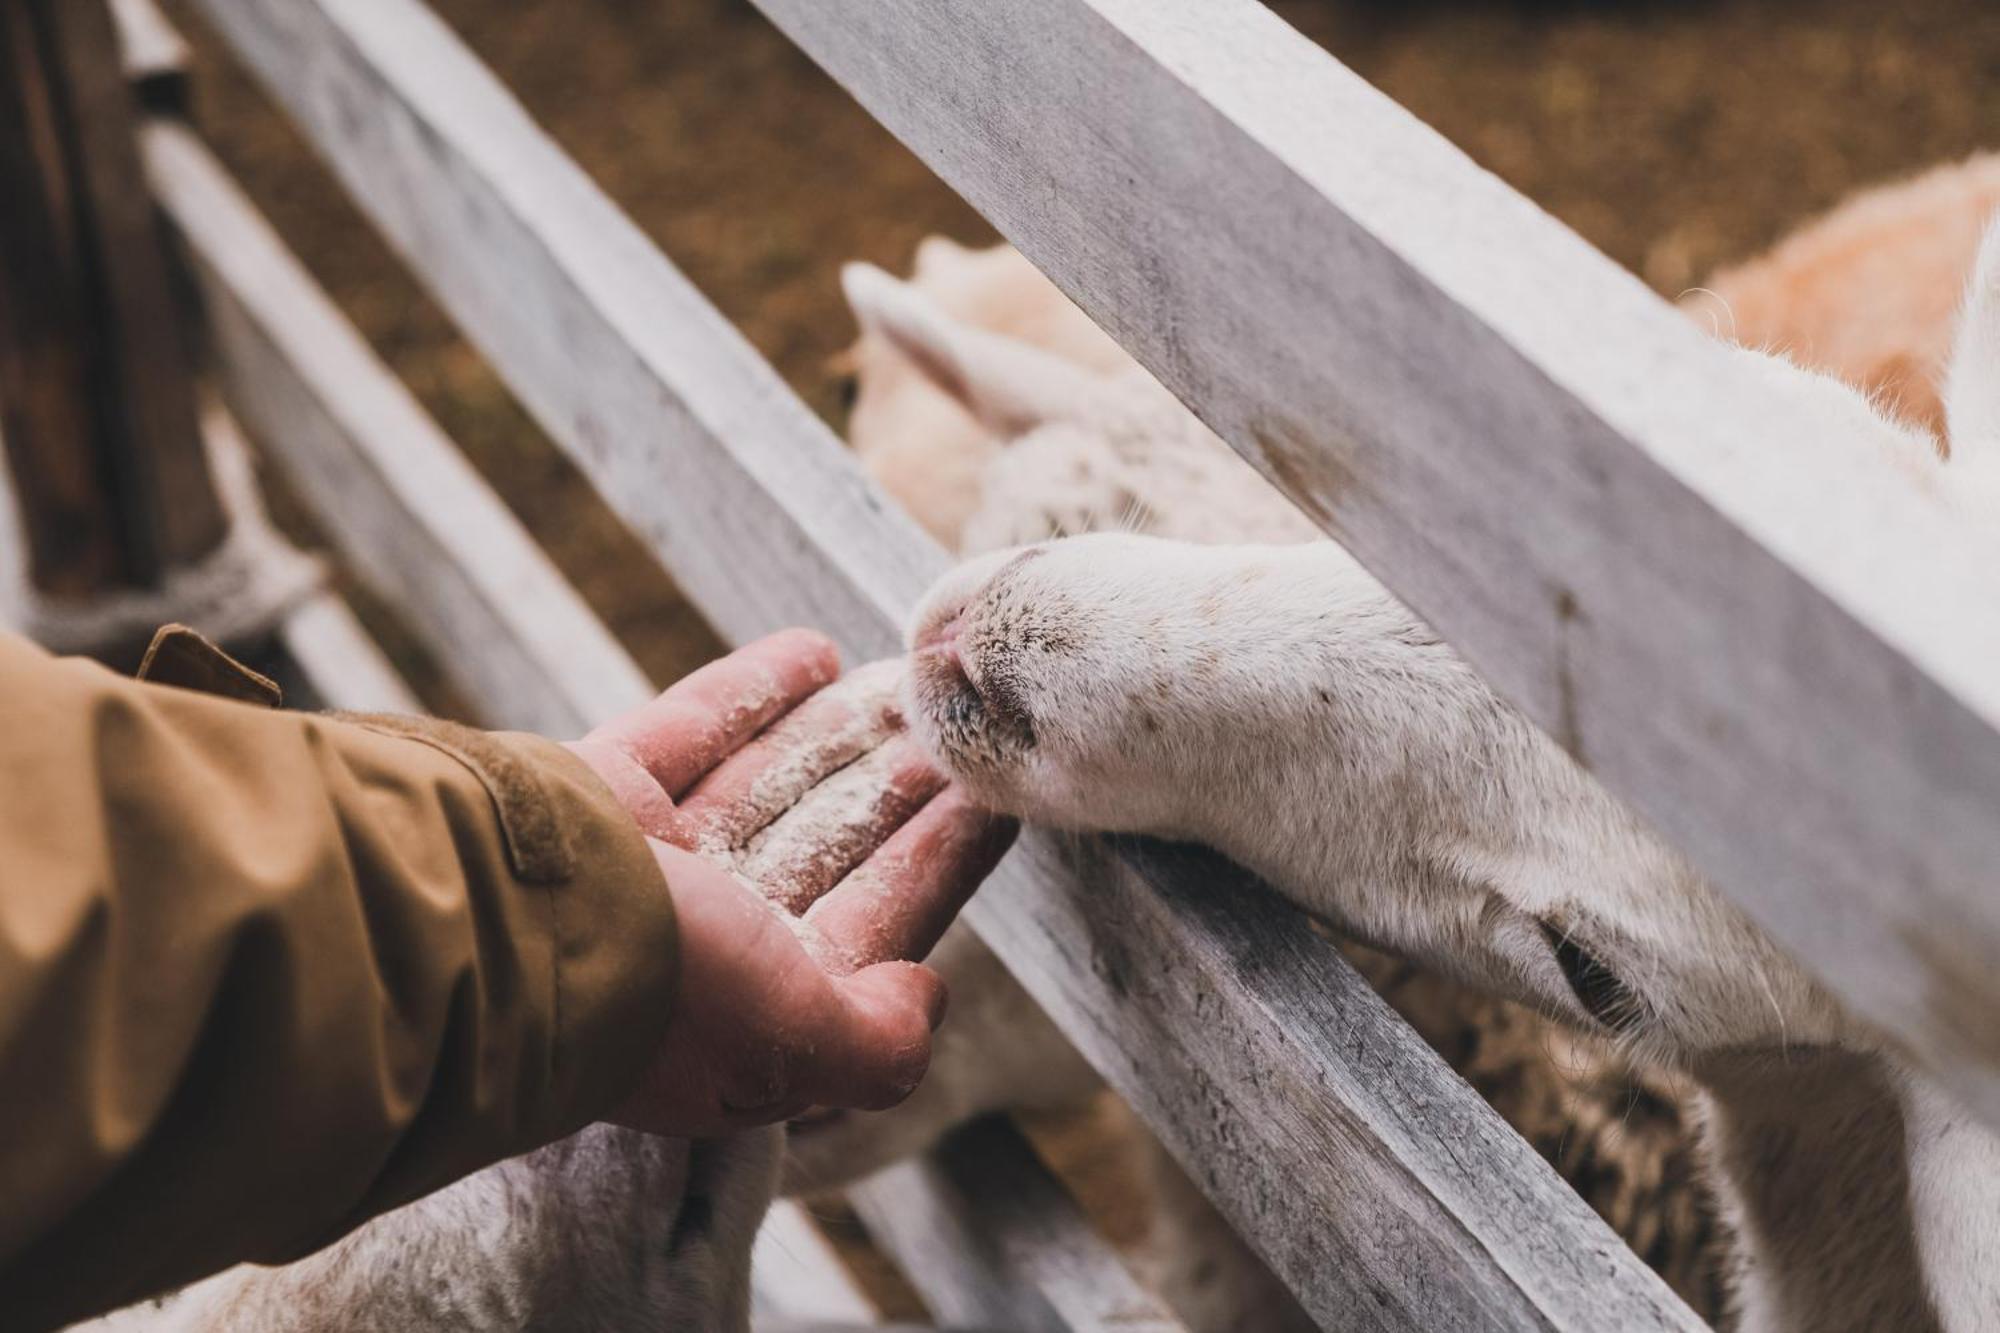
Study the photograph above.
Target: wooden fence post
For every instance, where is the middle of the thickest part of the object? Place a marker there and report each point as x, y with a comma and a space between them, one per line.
97, 405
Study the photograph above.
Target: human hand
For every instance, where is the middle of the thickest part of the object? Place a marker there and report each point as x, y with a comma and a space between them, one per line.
811, 851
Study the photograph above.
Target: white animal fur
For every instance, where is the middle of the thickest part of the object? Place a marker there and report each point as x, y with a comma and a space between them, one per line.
607, 1229
1126, 683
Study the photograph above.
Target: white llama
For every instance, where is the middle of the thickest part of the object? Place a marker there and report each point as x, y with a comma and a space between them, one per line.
1869, 293
1423, 815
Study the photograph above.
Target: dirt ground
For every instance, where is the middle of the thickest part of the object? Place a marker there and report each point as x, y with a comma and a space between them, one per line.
1675, 135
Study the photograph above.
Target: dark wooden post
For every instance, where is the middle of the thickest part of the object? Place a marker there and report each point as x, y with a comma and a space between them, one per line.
97, 403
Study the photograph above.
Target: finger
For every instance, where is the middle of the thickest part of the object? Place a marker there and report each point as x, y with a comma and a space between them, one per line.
898, 902
650, 807
767, 777
839, 824
875, 1044
707, 716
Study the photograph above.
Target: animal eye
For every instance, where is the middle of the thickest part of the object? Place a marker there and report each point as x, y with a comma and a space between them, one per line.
1596, 987
848, 390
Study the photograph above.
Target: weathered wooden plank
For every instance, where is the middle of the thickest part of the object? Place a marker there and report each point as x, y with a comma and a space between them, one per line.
1379, 1186
336, 660
765, 521
795, 1274
990, 1238
405, 509
1765, 640
596, 334
341, 665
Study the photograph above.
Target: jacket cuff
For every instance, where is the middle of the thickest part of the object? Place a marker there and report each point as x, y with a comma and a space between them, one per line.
614, 943
617, 942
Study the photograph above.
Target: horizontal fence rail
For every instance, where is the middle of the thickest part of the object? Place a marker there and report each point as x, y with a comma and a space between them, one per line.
1761, 636
407, 510
339, 664
1341, 1146
414, 519
795, 1273
1028, 1229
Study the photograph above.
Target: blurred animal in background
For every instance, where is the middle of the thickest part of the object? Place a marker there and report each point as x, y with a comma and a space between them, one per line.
916, 439
1869, 293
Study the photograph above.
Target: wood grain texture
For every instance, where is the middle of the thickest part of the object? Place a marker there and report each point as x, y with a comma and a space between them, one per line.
1753, 629
684, 430
765, 521
405, 509
1379, 1186
1030, 1261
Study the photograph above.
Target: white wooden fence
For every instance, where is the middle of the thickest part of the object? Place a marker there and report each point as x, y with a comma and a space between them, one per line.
1578, 490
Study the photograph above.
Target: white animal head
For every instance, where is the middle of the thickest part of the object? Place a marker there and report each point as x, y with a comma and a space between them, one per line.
1087, 449
1277, 703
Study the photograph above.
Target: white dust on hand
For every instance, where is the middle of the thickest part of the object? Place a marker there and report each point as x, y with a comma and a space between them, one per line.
866, 715
799, 824
812, 844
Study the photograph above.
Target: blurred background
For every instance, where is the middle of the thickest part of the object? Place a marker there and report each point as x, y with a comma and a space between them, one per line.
1675, 135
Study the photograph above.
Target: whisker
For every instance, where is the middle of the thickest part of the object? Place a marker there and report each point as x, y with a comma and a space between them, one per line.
1717, 297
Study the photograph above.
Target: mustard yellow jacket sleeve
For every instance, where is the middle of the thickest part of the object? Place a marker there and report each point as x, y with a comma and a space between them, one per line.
264, 975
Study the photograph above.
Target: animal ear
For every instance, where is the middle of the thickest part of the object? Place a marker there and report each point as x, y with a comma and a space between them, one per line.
1010, 385
1972, 386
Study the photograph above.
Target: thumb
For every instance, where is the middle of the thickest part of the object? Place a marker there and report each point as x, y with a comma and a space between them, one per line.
879, 1044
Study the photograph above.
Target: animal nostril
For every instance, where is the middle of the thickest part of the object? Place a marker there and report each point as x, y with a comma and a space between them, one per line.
942, 634
948, 637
